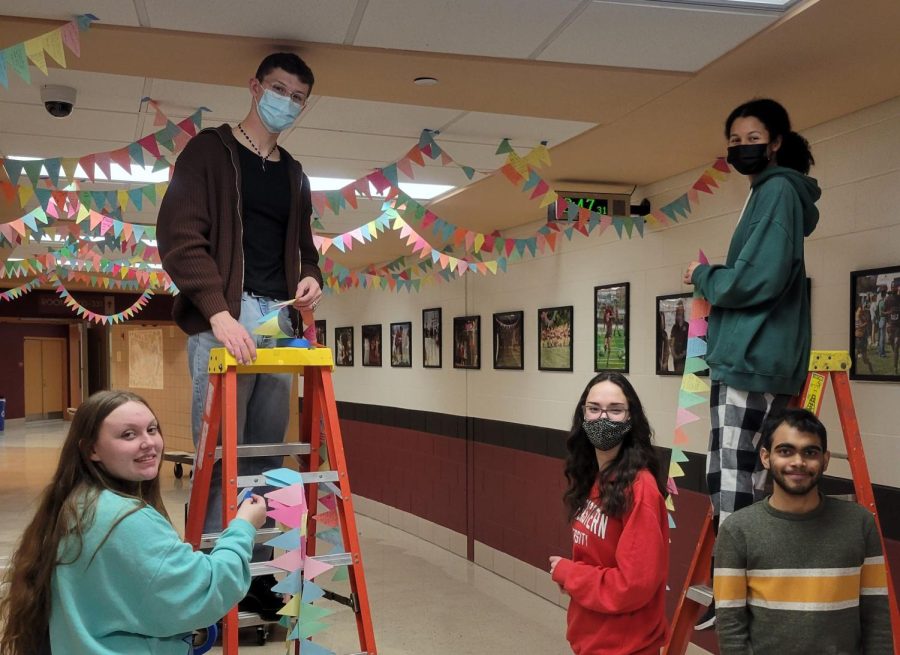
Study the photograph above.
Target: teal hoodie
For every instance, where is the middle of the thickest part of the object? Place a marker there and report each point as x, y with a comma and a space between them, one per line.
143, 590
759, 326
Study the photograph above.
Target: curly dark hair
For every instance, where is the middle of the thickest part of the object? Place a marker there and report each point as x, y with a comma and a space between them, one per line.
615, 481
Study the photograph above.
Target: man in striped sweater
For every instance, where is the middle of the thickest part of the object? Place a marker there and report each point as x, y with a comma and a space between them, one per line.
798, 572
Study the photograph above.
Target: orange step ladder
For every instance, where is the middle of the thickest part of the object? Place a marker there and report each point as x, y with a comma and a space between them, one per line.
697, 594
318, 421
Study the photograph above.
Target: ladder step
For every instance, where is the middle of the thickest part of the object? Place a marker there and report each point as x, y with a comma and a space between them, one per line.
335, 559
702, 594
312, 477
268, 450
209, 539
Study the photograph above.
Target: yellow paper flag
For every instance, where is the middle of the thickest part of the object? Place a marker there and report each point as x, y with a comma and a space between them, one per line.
675, 470
669, 504
52, 44
35, 51
292, 608
694, 384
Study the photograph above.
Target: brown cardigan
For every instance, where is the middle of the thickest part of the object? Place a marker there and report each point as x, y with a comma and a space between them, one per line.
199, 230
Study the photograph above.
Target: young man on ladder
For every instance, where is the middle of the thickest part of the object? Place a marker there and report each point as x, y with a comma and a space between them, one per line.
235, 237
800, 572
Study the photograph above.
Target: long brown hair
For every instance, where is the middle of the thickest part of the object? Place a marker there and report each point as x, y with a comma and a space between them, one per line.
65, 510
637, 452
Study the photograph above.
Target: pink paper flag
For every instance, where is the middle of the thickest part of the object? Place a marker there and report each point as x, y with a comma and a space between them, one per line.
697, 327
289, 516
290, 561
292, 496
313, 568
683, 417
329, 501
702, 257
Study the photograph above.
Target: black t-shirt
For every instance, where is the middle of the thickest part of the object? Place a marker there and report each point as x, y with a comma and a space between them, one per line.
265, 206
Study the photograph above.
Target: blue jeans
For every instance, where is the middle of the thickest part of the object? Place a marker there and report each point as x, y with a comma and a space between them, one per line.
263, 406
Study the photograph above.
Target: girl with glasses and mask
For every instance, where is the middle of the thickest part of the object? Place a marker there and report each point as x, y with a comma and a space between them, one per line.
616, 577
100, 569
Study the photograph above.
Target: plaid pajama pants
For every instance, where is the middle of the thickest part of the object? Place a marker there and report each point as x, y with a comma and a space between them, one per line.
734, 474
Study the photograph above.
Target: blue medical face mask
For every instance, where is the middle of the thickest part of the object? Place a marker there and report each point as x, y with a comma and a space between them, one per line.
277, 112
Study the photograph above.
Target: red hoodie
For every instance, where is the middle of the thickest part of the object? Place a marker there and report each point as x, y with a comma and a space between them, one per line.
617, 575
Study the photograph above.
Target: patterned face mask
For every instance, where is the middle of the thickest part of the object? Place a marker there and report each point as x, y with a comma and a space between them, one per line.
605, 434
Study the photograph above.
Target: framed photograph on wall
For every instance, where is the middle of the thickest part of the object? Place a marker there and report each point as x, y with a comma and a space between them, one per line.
320, 333
611, 327
343, 346
371, 345
509, 334
875, 324
401, 344
466, 342
555, 326
673, 312
431, 338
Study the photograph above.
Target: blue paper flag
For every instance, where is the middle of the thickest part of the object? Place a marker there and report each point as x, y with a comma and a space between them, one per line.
283, 477
696, 347
311, 592
286, 541
290, 584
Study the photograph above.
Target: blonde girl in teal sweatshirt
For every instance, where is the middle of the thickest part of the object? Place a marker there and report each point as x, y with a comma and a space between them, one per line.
100, 570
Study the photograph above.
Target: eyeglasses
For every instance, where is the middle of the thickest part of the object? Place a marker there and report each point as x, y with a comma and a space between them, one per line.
296, 97
612, 413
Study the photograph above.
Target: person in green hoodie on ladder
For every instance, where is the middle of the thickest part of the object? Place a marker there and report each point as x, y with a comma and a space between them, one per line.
759, 327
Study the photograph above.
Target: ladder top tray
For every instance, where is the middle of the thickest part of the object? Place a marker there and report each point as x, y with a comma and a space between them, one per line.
272, 360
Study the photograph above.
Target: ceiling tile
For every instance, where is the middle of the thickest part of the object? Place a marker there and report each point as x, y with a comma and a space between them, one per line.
112, 12
522, 131
670, 37
499, 28
121, 93
86, 124
365, 116
289, 20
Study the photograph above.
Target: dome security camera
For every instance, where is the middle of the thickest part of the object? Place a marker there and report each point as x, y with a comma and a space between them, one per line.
59, 101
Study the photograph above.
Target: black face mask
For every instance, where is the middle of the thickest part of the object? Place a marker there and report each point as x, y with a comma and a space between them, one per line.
749, 159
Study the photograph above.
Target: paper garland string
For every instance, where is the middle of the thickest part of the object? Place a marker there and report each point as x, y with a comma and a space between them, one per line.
16, 57
689, 393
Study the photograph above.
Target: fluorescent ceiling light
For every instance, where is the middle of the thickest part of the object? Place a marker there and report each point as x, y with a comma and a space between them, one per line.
417, 190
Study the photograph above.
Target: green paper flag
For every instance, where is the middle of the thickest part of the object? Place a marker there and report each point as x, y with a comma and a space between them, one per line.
504, 147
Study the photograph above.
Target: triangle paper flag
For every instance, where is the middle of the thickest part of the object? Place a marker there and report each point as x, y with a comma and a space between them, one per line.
311, 592
671, 522
688, 399
313, 568
290, 561
341, 573
692, 383
695, 365
291, 608
684, 416
314, 612
675, 471
312, 648
292, 496
289, 516
287, 541
329, 501
696, 347
678, 455
305, 630
670, 505
282, 477
332, 537
289, 585
697, 327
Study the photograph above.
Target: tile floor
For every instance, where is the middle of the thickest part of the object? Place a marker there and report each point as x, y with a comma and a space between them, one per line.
424, 599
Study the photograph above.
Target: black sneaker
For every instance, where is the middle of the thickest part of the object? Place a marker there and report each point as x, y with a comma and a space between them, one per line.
260, 599
708, 620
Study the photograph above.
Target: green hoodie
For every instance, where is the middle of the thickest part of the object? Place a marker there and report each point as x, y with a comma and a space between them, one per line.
759, 327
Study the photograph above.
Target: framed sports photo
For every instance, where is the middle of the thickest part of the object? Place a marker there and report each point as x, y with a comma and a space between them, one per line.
401, 344
467, 342
509, 334
555, 326
343, 346
875, 324
431, 338
611, 327
371, 345
673, 313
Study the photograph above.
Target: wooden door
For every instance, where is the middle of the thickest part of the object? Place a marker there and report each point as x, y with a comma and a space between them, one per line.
45, 378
